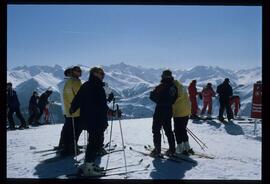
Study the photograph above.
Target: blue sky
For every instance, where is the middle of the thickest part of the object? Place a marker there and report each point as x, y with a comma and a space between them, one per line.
151, 36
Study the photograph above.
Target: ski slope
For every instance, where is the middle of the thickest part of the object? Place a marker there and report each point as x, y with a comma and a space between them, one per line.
236, 147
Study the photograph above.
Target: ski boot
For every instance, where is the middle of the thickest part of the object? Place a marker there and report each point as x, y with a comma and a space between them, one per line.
91, 169
169, 152
156, 153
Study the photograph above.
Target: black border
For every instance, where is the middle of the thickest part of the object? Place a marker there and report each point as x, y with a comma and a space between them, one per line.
265, 71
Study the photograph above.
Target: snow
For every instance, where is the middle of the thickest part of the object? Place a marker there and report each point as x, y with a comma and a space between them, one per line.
236, 148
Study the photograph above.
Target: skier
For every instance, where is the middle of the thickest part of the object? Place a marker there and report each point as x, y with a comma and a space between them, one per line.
207, 94
164, 95
192, 90
70, 90
43, 101
91, 99
46, 113
14, 106
225, 91
235, 100
181, 112
68, 75
33, 109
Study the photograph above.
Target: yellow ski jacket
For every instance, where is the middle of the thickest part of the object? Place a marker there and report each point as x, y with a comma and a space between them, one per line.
71, 88
181, 107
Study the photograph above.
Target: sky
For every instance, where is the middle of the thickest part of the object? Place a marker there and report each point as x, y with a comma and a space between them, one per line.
152, 36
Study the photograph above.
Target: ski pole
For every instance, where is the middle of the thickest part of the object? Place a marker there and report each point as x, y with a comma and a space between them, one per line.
107, 163
74, 139
123, 145
196, 141
196, 137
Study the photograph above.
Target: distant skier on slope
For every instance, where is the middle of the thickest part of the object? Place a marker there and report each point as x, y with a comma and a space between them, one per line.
181, 112
235, 101
164, 95
207, 94
33, 109
225, 92
43, 101
91, 99
192, 90
14, 106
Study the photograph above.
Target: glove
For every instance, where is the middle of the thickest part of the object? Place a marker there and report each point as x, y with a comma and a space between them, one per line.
111, 97
71, 111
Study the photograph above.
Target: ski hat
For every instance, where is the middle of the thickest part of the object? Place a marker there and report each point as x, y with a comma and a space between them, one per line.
166, 74
76, 68
95, 70
9, 84
227, 80
209, 84
67, 71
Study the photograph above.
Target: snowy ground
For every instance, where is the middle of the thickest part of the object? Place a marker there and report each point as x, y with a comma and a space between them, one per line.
236, 148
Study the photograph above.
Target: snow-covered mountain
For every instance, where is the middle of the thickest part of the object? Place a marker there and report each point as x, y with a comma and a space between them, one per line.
132, 84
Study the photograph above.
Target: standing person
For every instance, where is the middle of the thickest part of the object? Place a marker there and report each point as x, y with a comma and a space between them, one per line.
70, 90
14, 106
46, 113
164, 95
33, 109
181, 112
68, 75
91, 99
207, 94
225, 91
192, 90
43, 101
235, 100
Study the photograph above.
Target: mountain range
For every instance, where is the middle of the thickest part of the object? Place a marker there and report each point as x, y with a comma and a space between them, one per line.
132, 85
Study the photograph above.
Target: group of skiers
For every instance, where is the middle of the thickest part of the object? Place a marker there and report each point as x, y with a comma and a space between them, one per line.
173, 101
85, 108
226, 100
37, 105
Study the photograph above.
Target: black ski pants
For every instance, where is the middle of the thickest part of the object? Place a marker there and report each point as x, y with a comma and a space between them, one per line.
67, 138
33, 115
180, 129
162, 119
18, 114
225, 104
95, 143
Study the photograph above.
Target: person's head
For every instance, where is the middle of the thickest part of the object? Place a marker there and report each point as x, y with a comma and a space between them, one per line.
97, 72
35, 93
76, 72
227, 80
209, 84
194, 82
9, 85
166, 76
68, 72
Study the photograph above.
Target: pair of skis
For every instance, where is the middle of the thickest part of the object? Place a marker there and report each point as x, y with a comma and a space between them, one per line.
78, 176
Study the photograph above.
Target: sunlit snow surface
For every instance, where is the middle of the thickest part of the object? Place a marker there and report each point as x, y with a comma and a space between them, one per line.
236, 146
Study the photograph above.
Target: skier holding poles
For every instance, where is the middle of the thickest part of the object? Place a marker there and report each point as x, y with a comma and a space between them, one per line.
91, 99
181, 112
207, 94
164, 95
72, 125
